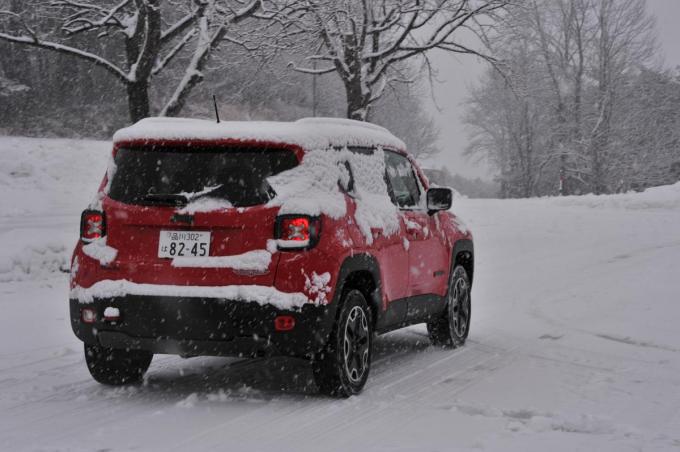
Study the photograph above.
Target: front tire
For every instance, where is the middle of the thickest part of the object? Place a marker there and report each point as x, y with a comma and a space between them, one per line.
452, 328
341, 370
116, 367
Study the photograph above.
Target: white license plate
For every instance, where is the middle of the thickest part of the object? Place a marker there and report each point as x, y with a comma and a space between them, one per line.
184, 244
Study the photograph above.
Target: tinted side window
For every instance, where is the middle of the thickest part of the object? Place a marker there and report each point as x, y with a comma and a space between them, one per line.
402, 179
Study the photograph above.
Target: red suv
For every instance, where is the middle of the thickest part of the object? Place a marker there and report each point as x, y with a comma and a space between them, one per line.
264, 238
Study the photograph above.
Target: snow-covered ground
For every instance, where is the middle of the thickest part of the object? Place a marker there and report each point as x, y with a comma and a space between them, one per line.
575, 343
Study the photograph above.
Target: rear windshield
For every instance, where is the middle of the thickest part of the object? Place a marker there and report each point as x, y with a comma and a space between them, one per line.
155, 175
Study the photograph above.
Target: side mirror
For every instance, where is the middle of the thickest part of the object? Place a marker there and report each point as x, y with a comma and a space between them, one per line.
439, 198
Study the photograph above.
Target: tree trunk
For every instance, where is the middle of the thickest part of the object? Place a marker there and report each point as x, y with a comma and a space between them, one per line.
138, 100
358, 98
357, 102
141, 51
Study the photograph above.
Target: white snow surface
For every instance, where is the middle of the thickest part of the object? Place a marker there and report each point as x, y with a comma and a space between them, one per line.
309, 133
374, 210
111, 312
574, 342
206, 204
100, 251
319, 287
258, 294
313, 188
256, 260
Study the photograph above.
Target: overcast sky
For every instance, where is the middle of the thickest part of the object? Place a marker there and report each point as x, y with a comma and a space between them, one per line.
456, 73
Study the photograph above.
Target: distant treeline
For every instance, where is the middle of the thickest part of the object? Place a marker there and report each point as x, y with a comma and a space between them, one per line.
471, 188
578, 102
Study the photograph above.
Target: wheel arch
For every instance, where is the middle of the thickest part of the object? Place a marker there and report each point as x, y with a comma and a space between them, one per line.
464, 254
360, 272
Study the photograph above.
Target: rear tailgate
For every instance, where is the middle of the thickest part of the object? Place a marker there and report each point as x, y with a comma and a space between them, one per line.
135, 232
227, 192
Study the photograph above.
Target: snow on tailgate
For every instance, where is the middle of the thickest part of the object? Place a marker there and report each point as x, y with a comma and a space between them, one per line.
257, 260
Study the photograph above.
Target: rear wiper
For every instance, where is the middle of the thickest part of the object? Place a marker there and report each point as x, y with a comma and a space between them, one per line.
200, 194
170, 199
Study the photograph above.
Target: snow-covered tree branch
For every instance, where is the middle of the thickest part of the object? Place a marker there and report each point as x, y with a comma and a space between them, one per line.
562, 119
140, 39
365, 41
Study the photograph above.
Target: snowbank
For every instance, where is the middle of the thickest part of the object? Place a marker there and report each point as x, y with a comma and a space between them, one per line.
29, 254
54, 176
664, 197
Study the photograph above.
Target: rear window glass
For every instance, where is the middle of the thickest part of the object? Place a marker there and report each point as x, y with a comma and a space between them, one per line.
236, 175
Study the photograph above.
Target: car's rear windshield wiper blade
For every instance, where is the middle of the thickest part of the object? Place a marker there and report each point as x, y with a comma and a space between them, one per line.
170, 199
200, 194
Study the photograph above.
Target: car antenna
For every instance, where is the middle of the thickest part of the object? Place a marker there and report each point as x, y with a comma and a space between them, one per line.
217, 113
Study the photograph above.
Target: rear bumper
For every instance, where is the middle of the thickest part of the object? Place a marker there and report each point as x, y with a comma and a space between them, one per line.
203, 326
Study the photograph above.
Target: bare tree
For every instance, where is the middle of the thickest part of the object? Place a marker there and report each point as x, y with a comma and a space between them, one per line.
508, 126
141, 38
365, 41
401, 110
624, 37
582, 54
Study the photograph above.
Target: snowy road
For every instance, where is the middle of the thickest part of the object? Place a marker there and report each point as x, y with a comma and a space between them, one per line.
575, 342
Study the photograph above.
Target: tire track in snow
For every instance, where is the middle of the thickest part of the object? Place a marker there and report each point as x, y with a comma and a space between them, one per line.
416, 388
252, 422
306, 422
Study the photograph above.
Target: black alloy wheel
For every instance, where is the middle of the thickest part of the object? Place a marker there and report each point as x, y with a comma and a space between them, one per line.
453, 327
342, 368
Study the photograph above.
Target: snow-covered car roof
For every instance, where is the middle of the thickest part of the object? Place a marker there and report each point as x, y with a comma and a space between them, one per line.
308, 133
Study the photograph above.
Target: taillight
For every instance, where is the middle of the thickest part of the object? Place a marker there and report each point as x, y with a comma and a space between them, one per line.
92, 225
297, 231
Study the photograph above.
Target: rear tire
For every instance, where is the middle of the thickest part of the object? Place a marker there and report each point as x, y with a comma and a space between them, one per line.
116, 367
341, 370
452, 328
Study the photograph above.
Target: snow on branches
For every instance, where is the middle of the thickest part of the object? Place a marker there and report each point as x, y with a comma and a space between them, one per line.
364, 41
152, 36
